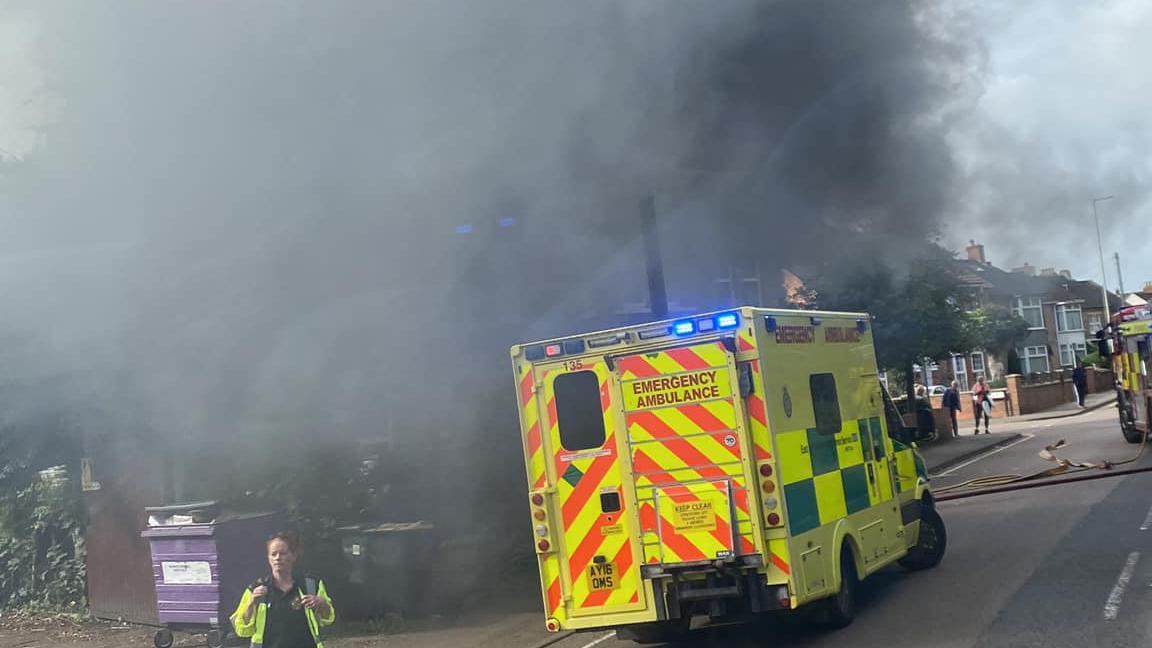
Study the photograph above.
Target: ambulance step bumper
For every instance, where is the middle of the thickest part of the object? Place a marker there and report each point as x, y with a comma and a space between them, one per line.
708, 593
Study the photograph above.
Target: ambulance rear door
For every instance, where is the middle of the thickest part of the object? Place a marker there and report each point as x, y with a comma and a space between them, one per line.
597, 537
689, 449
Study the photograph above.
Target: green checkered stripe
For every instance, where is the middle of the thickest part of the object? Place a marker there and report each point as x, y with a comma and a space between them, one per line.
823, 475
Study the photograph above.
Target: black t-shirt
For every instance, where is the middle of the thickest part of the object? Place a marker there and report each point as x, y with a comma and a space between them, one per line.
285, 627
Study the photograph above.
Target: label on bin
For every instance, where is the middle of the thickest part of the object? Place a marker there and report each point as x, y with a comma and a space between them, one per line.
196, 572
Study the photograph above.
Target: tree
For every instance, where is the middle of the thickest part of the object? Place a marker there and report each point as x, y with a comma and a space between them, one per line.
994, 329
916, 316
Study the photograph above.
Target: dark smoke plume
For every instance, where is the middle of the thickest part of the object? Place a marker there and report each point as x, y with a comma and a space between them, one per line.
254, 223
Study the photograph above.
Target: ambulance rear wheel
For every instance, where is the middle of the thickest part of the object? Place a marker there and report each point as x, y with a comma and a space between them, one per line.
1128, 426
930, 544
163, 638
840, 610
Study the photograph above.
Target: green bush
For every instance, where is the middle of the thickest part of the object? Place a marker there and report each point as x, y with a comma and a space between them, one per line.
42, 546
1094, 359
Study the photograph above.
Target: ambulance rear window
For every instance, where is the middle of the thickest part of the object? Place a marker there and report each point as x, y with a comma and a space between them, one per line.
825, 403
578, 412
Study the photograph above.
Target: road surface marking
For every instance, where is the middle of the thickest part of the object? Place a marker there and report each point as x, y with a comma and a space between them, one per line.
1112, 605
600, 640
1024, 437
1147, 521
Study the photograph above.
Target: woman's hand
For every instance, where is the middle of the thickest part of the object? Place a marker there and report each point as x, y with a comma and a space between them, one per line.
258, 594
314, 603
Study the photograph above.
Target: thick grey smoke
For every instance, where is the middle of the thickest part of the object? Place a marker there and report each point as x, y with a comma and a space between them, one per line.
276, 220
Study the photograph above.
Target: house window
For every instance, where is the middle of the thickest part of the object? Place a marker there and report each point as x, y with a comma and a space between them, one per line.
960, 371
978, 364
1030, 310
1095, 321
1033, 359
1069, 318
1070, 353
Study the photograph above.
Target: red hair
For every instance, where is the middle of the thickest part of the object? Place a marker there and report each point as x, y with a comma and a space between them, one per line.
290, 538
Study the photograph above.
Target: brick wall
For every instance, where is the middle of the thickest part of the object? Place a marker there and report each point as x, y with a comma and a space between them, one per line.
1038, 394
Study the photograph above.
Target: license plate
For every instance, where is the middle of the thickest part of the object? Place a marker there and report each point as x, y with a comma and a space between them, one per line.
603, 577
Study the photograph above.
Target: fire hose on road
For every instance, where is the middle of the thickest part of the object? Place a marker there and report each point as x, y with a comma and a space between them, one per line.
1007, 483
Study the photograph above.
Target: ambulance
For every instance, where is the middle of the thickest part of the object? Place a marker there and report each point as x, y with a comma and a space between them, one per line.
716, 467
1128, 341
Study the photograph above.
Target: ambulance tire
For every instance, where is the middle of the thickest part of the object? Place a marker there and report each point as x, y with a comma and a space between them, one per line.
669, 632
840, 609
163, 638
1128, 425
930, 546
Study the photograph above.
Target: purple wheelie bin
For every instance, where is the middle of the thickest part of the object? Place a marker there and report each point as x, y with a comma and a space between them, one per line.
201, 561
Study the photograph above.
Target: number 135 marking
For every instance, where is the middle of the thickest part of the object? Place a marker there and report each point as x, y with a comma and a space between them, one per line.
573, 365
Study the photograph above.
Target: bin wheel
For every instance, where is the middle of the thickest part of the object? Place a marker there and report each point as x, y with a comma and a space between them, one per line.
215, 639
163, 638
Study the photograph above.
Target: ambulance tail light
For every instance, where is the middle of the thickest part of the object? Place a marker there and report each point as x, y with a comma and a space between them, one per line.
538, 499
552, 625
553, 350
766, 470
773, 519
783, 599
544, 546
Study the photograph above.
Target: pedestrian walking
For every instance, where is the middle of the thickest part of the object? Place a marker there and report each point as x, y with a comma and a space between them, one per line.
1080, 381
981, 404
284, 609
951, 402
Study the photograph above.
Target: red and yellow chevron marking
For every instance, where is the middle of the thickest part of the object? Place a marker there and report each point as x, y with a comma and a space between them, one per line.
585, 530
758, 416
530, 423
673, 361
745, 341
687, 453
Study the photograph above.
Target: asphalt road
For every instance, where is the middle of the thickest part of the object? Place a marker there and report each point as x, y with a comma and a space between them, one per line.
1067, 565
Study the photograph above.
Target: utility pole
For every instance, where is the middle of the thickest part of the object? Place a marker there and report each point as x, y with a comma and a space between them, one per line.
1119, 275
657, 290
1100, 250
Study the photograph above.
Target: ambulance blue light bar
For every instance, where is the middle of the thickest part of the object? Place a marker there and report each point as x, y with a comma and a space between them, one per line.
685, 327
727, 321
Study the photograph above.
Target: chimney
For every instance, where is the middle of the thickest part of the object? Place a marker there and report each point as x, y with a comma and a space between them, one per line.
1047, 272
1026, 269
1067, 274
975, 252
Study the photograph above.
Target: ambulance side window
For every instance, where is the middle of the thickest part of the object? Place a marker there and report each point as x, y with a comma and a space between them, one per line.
825, 403
578, 412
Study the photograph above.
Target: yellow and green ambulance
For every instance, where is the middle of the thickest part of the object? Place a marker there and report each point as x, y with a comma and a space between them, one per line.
720, 466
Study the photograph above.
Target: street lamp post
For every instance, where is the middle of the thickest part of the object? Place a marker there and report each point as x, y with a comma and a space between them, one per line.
1100, 250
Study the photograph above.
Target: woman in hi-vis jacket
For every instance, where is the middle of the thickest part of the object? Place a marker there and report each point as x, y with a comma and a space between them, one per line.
284, 609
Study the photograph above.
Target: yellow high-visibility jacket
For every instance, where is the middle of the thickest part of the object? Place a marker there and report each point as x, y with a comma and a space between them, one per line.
254, 628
